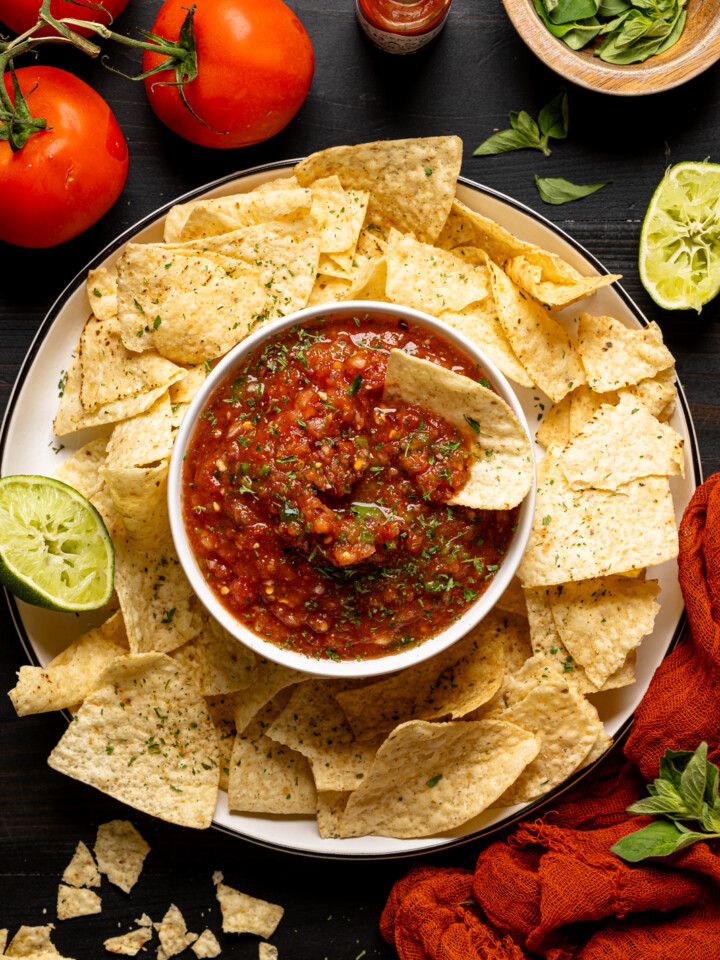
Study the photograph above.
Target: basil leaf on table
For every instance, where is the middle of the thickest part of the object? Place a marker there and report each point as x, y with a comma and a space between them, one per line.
557, 190
687, 789
526, 133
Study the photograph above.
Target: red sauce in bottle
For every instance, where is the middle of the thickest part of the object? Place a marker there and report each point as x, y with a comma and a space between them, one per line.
402, 26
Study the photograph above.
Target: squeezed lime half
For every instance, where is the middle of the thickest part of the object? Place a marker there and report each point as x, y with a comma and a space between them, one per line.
680, 240
55, 550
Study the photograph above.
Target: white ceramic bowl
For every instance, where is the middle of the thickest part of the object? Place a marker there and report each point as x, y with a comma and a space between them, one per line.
343, 669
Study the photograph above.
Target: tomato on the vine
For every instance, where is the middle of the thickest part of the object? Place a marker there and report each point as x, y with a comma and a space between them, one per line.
254, 69
67, 176
21, 15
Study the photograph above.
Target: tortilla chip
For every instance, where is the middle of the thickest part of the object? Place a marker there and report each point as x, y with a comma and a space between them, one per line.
425, 278
619, 444
71, 416
357, 204
431, 777
513, 599
599, 748
544, 348
184, 390
144, 440
206, 945
411, 182
288, 182
139, 495
601, 621
581, 534
32, 940
82, 871
72, 902
244, 914
102, 293
658, 393
615, 355
173, 935
544, 275
266, 951
268, 680
219, 662
266, 777
501, 471
185, 221
479, 322
155, 597
110, 372
80, 470
546, 641
554, 429
3, 940
131, 943
314, 725
540, 700
206, 304
447, 686
121, 725
120, 853
71, 676
330, 808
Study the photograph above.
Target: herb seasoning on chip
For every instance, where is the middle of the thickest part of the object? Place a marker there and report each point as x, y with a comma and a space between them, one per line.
317, 505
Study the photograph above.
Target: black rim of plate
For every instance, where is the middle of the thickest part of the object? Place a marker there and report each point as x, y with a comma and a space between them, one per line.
79, 279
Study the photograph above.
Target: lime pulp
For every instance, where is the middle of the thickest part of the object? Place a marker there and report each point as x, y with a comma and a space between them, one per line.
680, 240
55, 550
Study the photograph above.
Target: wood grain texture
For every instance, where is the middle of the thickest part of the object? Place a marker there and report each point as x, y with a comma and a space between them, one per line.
697, 49
465, 83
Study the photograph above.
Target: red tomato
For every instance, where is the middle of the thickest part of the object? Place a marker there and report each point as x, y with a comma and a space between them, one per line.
20, 15
64, 178
255, 66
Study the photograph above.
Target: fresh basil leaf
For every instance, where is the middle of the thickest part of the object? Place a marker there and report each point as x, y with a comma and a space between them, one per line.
524, 124
557, 190
611, 8
672, 764
671, 807
553, 118
658, 839
582, 33
688, 837
710, 818
568, 11
693, 781
501, 143
711, 785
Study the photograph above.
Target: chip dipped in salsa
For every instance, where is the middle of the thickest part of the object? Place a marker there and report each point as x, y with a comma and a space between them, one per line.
317, 510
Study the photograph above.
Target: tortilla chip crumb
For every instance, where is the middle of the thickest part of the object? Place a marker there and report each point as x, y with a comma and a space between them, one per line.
81, 871
266, 951
31, 940
74, 902
206, 946
130, 943
244, 914
144, 921
173, 934
120, 852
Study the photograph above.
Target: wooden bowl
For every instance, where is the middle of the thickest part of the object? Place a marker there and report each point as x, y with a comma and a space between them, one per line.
696, 50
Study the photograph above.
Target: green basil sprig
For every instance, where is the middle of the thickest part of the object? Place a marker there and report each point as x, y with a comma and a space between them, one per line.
632, 30
552, 123
558, 190
687, 789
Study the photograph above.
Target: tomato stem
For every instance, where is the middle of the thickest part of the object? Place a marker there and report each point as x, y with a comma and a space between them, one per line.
16, 122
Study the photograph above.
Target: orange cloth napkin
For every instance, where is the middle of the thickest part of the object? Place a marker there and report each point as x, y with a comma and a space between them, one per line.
552, 887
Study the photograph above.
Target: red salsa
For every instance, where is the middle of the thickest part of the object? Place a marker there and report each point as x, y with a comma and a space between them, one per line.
318, 513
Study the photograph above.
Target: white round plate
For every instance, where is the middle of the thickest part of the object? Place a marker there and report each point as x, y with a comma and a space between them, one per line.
27, 445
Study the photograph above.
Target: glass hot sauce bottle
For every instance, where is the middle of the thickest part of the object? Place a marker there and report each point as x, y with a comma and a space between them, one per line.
402, 26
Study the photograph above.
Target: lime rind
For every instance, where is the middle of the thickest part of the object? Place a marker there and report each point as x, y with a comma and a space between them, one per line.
55, 550
679, 258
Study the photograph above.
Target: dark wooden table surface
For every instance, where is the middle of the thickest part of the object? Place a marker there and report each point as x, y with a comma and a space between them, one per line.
465, 84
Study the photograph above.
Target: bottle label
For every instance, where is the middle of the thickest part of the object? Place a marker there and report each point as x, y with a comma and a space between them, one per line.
397, 42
